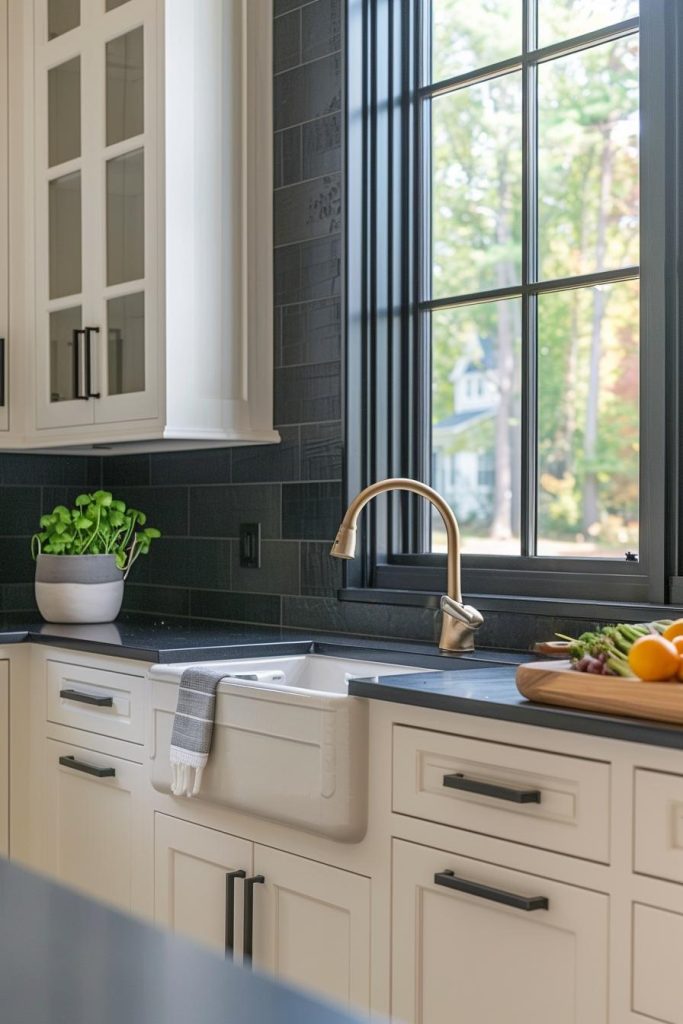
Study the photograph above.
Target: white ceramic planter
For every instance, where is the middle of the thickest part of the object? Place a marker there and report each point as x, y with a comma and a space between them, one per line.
78, 588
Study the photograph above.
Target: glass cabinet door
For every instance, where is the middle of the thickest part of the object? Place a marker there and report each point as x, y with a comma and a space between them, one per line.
61, 180
95, 162
125, 161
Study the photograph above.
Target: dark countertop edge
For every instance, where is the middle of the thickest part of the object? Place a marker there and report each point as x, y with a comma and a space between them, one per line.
636, 730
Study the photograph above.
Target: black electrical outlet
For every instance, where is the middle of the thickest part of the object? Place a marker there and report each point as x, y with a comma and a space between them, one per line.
250, 545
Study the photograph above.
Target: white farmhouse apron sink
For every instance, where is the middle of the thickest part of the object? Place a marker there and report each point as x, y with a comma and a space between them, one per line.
289, 743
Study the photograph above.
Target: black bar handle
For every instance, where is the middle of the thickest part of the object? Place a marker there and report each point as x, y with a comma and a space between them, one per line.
248, 944
230, 910
77, 333
89, 331
515, 796
486, 892
70, 761
3, 396
87, 698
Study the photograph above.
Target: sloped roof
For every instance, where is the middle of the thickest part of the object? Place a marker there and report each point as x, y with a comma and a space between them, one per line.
457, 421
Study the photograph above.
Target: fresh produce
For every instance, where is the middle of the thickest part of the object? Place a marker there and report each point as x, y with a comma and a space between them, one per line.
606, 651
654, 659
674, 630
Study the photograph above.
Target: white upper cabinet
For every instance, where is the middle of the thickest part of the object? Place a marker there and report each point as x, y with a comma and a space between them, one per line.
4, 226
150, 286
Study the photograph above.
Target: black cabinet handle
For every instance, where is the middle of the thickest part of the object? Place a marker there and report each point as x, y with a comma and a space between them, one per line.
70, 761
77, 334
230, 910
515, 796
89, 331
248, 944
486, 892
2, 373
87, 698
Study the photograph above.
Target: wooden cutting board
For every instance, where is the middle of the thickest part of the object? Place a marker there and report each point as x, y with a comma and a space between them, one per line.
555, 682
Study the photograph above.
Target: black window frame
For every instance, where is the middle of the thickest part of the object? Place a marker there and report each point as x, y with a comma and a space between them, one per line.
387, 365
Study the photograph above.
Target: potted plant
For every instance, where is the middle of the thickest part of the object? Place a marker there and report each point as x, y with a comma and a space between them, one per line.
83, 556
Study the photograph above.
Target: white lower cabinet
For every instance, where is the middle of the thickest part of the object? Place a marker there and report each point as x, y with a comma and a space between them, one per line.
311, 922
657, 984
191, 865
462, 958
4, 758
95, 824
312, 925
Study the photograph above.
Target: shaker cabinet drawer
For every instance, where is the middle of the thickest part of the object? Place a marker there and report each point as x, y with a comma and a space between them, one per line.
658, 824
549, 801
96, 700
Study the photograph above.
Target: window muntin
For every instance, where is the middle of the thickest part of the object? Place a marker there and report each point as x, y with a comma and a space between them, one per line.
531, 197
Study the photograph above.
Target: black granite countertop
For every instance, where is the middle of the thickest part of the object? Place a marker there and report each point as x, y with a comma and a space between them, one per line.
481, 683
175, 640
67, 960
492, 693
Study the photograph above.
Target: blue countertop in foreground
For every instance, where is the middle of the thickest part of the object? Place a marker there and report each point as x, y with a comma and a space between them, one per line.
67, 960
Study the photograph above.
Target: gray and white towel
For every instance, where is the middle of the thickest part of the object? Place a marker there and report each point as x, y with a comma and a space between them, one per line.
193, 728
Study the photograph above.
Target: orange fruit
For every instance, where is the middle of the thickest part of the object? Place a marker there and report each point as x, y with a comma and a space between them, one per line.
674, 630
678, 644
654, 659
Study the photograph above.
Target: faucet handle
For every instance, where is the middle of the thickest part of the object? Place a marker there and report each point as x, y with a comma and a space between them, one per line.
464, 613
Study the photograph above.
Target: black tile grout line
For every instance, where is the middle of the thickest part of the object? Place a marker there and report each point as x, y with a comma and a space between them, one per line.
304, 124
309, 241
298, 7
304, 181
306, 64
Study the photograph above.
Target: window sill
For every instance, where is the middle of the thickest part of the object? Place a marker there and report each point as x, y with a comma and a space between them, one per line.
574, 608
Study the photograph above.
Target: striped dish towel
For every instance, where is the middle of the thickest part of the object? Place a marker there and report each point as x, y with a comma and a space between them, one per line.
193, 728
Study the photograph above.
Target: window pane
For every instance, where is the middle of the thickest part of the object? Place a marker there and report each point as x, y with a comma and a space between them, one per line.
588, 161
62, 16
588, 421
113, 4
65, 235
477, 184
468, 35
125, 81
564, 19
62, 380
64, 112
126, 218
126, 344
476, 423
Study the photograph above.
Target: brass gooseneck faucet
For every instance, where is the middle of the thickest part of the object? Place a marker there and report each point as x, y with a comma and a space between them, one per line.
459, 621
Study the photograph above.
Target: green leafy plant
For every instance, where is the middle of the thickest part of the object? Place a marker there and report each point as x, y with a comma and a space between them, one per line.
97, 525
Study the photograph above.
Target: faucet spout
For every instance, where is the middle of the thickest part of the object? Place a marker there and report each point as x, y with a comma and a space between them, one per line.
458, 620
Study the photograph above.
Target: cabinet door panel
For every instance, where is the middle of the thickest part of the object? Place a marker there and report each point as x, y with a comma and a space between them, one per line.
95, 828
190, 867
4, 223
4, 758
462, 959
312, 926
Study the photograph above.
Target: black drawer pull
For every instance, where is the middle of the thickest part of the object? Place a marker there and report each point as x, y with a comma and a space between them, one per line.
77, 334
2, 373
486, 892
89, 331
248, 944
515, 796
69, 761
87, 698
230, 910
